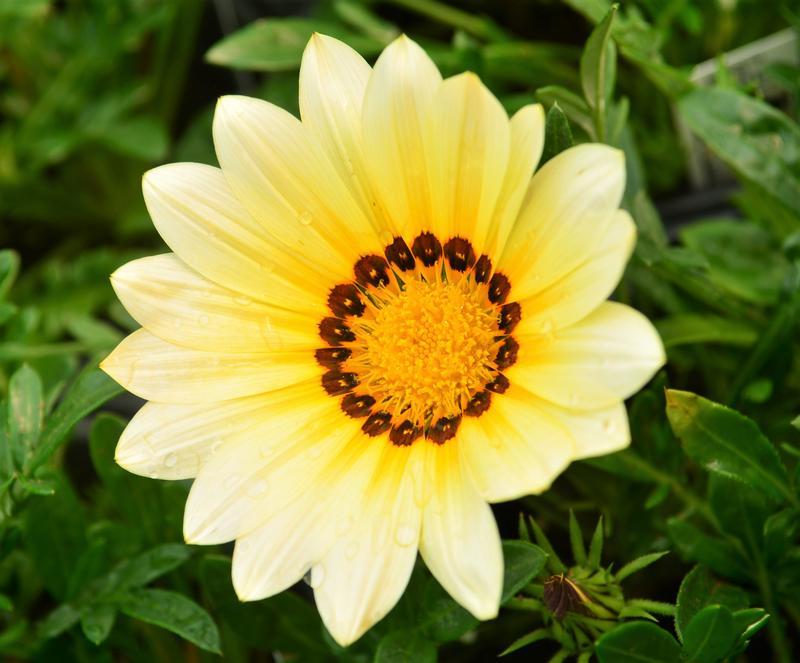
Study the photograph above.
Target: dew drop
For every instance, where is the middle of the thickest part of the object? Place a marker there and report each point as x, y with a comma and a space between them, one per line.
573, 400
344, 526
315, 452
258, 488
305, 217
267, 267
317, 575
405, 535
203, 320
241, 300
352, 550
216, 445
171, 460
609, 426
381, 532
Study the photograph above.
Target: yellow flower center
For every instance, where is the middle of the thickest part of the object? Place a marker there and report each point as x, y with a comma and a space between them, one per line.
427, 350
419, 339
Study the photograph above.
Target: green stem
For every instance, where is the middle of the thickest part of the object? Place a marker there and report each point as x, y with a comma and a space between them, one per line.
687, 496
438, 11
777, 635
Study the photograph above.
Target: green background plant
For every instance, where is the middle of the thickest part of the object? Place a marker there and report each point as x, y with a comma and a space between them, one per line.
92, 563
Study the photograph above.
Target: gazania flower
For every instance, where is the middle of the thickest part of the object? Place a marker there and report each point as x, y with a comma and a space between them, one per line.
374, 322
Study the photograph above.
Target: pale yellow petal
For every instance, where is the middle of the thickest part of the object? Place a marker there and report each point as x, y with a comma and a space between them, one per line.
174, 441
460, 542
527, 142
178, 305
517, 447
159, 371
595, 363
279, 552
596, 432
297, 439
333, 79
283, 178
564, 216
469, 150
398, 104
367, 569
200, 219
578, 292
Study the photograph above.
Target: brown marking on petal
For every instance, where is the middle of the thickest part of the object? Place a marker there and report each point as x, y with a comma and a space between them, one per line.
357, 405
332, 357
499, 287
377, 423
482, 269
507, 354
499, 385
510, 315
334, 332
338, 382
344, 299
459, 253
478, 404
400, 255
372, 270
427, 248
404, 434
444, 429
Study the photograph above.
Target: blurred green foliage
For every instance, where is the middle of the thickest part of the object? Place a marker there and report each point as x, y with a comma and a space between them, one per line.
92, 564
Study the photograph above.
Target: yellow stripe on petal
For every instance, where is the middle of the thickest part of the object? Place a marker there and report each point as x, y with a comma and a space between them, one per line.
460, 542
589, 283
527, 143
180, 306
469, 150
595, 363
333, 79
159, 371
200, 219
517, 448
563, 216
398, 104
283, 178
287, 451
366, 571
174, 441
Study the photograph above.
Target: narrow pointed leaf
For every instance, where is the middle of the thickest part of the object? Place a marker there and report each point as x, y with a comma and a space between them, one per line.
638, 564
576, 540
596, 546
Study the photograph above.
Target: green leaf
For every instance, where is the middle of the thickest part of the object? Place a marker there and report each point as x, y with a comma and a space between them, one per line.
557, 134
748, 622
174, 612
741, 511
97, 620
525, 640
694, 328
146, 567
90, 391
757, 141
710, 635
638, 642
714, 552
144, 138
283, 622
277, 44
576, 540
596, 546
727, 443
25, 412
9, 268
64, 617
523, 562
553, 561
571, 104
55, 550
405, 647
598, 68
638, 564
700, 589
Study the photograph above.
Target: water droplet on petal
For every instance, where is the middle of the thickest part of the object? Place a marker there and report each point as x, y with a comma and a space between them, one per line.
344, 526
305, 217
203, 320
317, 575
609, 426
405, 535
216, 445
258, 488
241, 300
231, 481
170, 460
